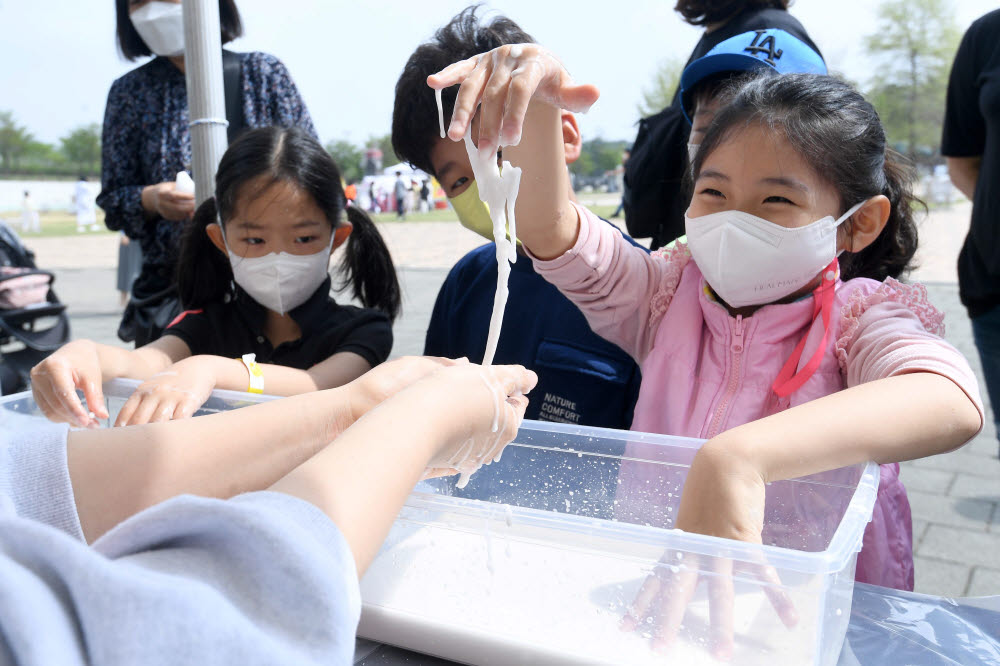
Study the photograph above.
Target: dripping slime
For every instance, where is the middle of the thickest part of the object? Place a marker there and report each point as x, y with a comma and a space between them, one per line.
437, 96
498, 188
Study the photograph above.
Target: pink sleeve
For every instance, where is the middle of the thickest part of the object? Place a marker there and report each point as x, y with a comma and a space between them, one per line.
621, 290
893, 330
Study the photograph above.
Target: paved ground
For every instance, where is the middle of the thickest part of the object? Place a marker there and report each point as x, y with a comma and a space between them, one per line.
955, 497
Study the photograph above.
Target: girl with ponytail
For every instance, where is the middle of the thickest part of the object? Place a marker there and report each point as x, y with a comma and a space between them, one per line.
778, 331
253, 278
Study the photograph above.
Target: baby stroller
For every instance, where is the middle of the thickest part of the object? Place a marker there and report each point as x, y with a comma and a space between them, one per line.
33, 323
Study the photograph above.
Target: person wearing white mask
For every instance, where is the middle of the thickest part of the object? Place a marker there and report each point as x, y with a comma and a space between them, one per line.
146, 142
253, 276
779, 333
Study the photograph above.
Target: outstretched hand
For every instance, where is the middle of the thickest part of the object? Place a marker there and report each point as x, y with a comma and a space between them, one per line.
54, 382
724, 497
504, 81
175, 393
491, 401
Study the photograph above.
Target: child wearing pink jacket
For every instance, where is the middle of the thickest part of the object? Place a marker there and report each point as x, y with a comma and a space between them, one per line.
778, 332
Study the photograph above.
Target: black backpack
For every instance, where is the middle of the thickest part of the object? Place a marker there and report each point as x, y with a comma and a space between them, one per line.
655, 197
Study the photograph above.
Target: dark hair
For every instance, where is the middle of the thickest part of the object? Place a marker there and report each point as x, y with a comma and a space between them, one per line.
707, 12
839, 134
414, 113
709, 88
293, 156
132, 46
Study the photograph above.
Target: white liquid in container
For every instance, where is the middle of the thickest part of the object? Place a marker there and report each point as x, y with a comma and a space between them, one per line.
452, 593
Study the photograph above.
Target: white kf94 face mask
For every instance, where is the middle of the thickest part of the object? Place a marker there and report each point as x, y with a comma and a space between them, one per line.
161, 26
748, 260
281, 281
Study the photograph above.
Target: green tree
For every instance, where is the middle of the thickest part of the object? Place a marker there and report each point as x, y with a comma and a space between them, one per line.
660, 93
913, 46
82, 148
598, 156
41, 153
584, 165
14, 141
384, 143
348, 157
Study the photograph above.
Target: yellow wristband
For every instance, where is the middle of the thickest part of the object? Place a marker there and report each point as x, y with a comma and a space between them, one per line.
256, 373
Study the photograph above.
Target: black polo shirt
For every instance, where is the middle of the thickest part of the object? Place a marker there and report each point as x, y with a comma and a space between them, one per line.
236, 327
972, 129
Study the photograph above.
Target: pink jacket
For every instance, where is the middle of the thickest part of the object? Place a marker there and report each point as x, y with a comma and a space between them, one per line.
705, 372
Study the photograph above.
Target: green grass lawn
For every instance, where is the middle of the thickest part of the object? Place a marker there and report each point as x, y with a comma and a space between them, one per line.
54, 224
443, 215
64, 224
448, 215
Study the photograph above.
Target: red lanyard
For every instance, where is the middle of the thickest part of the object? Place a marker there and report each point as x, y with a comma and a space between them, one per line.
789, 381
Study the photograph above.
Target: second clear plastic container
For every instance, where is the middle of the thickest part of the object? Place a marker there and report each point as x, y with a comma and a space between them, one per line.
539, 558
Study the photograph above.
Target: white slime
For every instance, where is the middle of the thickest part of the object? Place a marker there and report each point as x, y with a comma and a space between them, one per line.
464, 459
551, 598
498, 190
437, 96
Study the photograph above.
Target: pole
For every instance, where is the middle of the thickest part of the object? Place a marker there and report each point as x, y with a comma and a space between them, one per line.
206, 96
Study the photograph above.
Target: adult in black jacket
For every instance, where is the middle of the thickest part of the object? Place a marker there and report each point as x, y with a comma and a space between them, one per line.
971, 143
654, 195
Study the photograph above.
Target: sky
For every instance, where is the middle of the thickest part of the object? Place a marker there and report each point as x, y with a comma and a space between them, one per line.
60, 55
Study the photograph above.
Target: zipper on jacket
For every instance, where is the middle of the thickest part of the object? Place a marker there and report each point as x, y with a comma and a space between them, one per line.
736, 350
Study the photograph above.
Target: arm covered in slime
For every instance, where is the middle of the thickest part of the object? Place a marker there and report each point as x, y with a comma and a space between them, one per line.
249, 449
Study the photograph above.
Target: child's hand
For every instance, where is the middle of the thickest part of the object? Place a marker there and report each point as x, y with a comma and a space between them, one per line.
723, 496
54, 382
175, 393
389, 378
504, 81
482, 407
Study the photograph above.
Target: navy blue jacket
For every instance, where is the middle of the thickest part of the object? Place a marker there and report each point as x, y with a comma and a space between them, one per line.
582, 378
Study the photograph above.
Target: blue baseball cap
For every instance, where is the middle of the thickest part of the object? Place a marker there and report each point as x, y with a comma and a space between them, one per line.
780, 51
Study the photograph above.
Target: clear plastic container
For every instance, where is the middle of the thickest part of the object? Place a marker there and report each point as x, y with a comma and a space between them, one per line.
116, 392
537, 560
